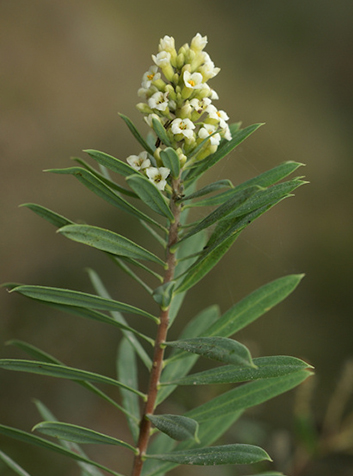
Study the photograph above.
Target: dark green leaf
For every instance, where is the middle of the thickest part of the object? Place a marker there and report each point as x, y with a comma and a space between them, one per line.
78, 434
161, 132
37, 441
267, 367
150, 195
217, 348
136, 134
108, 241
75, 298
213, 187
171, 160
51, 217
175, 426
163, 295
61, 371
216, 455
111, 162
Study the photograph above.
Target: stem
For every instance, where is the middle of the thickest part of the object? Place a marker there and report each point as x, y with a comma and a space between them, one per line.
161, 337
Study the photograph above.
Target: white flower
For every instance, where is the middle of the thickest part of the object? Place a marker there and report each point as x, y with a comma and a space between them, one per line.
167, 44
139, 162
200, 104
158, 176
225, 132
150, 75
162, 59
208, 70
184, 127
158, 101
220, 116
206, 131
198, 42
193, 80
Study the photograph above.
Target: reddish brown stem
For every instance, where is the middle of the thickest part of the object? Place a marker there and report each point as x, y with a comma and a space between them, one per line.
161, 337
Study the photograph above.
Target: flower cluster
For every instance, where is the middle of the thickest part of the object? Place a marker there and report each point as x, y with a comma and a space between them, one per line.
176, 93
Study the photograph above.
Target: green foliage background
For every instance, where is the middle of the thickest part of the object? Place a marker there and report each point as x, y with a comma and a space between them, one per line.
68, 67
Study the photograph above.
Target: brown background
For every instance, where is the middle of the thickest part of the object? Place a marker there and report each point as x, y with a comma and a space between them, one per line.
67, 68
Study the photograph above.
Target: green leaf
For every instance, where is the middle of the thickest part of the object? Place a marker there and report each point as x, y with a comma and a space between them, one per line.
225, 148
267, 367
12, 465
163, 295
127, 374
150, 195
75, 298
52, 217
111, 162
175, 426
98, 187
161, 132
171, 160
37, 441
247, 395
230, 206
61, 371
136, 134
213, 187
253, 306
217, 348
216, 455
108, 241
78, 434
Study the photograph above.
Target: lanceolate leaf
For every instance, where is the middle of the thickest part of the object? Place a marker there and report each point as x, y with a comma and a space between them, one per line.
136, 134
171, 160
98, 187
212, 187
150, 195
111, 162
267, 367
216, 455
217, 348
61, 371
52, 217
35, 440
78, 434
175, 426
75, 298
247, 396
161, 132
253, 306
108, 241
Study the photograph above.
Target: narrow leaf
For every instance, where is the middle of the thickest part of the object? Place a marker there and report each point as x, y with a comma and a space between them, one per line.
175, 426
267, 367
37, 441
161, 132
61, 371
12, 465
217, 348
171, 160
98, 187
136, 134
79, 299
111, 162
108, 241
247, 395
78, 434
150, 195
253, 306
127, 374
213, 187
216, 455
52, 217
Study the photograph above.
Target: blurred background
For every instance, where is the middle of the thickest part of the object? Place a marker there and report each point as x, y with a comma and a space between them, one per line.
67, 69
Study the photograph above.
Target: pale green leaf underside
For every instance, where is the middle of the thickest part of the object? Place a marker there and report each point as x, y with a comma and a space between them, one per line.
78, 434
217, 348
61, 371
35, 440
216, 455
75, 298
108, 241
175, 426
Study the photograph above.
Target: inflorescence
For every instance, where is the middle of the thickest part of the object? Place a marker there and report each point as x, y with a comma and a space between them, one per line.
176, 93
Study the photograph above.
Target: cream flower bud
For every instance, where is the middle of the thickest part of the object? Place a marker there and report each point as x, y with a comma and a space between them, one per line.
162, 59
199, 42
167, 44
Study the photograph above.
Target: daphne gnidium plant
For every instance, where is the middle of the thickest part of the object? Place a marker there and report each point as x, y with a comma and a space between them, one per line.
188, 136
